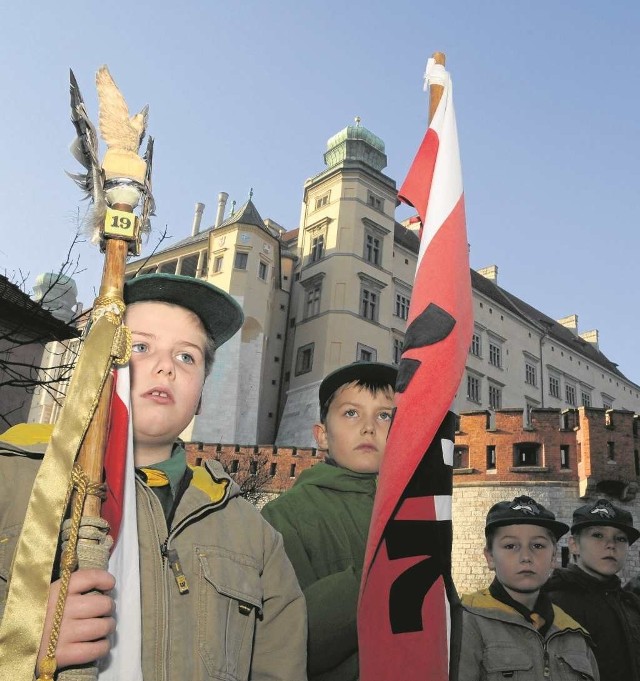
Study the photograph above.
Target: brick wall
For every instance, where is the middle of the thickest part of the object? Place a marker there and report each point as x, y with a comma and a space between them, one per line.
274, 469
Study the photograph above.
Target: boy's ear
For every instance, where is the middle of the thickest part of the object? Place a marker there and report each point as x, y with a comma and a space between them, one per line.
489, 558
320, 435
574, 549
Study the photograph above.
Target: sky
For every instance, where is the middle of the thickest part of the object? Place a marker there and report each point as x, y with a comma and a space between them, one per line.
246, 94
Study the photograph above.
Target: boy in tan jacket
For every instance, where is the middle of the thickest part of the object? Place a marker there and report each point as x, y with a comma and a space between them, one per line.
242, 615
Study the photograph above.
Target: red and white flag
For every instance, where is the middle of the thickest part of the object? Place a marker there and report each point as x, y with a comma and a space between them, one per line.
404, 623
119, 509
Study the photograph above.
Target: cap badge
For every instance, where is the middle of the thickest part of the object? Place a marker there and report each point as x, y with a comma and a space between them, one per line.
526, 505
603, 509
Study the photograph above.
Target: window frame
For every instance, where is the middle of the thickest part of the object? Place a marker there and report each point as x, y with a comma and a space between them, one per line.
304, 359
239, 256
475, 394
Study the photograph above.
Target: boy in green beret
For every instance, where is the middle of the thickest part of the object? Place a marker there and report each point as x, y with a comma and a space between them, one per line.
219, 597
325, 517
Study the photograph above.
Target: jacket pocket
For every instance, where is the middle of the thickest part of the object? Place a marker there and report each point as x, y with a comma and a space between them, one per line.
577, 666
508, 662
229, 600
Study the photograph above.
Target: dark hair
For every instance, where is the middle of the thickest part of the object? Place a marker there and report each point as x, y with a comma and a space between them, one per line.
373, 386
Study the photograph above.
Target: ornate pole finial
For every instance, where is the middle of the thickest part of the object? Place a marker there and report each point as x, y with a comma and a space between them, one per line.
250, 193
357, 120
233, 207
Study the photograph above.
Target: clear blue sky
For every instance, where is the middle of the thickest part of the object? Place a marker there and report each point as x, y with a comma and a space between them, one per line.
246, 94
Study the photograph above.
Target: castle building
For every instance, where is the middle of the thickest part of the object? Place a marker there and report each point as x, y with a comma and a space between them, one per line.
337, 289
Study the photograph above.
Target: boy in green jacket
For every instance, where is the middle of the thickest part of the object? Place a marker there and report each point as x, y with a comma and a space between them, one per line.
324, 519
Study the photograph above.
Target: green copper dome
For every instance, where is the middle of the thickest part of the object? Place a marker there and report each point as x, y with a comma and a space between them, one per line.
356, 143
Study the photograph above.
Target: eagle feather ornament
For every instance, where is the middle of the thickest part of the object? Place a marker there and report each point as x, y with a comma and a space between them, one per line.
123, 177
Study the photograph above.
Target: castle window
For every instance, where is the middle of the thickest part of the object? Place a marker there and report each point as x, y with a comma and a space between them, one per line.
473, 388
241, 260
372, 249
366, 354
611, 451
402, 306
397, 350
189, 265
234, 466
525, 454
304, 359
495, 355
217, 263
273, 467
491, 457
586, 399
312, 301
461, 457
322, 201
263, 269
375, 201
476, 345
317, 248
564, 456
570, 394
554, 386
495, 397
369, 304
168, 267
530, 377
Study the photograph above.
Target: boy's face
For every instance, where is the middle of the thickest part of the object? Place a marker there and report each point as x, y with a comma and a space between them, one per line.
355, 430
601, 550
167, 370
522, 557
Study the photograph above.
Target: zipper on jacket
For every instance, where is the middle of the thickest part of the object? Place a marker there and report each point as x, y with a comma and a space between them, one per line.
171, 555
547, 671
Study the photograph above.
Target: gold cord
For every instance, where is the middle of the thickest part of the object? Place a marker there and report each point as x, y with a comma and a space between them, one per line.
83, 486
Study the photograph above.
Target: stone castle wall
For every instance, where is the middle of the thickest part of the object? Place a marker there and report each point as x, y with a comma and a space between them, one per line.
471, 501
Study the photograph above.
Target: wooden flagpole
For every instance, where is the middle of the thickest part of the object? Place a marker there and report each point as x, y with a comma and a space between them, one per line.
436, 91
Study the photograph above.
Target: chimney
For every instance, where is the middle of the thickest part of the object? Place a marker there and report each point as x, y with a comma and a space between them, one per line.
490, 273
222, 204
570, 322
591, 337
197, 218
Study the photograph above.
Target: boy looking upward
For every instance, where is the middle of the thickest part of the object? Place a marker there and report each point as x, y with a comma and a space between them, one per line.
239, 612
324, 519
510, 629
591, 592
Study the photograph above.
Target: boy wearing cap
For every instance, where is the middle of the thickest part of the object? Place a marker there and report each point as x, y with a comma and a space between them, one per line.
511, 629
237, 611
324, 519
590, 590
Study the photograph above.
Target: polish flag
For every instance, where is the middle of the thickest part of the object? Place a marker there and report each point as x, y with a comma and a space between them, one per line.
119, 509
405, 614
